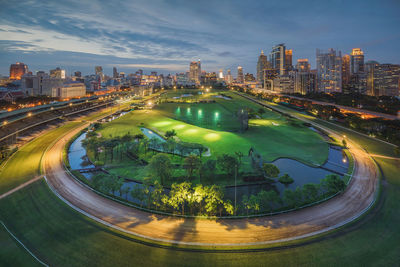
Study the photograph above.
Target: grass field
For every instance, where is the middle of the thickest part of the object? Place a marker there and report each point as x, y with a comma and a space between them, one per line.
272, 136
26, 161
62, 237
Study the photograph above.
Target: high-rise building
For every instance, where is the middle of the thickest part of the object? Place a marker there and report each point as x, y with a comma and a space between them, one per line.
99, 73
356, 61
195, 72
277, 58
17, 70
240, 77
78, 74
262, 64
228, 77
305, 82
57, 73
288, 60
345, 72
303, 65
115, 73
386, 80
329, 71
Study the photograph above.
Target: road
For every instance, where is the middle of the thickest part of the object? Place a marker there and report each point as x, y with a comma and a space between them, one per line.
357, 198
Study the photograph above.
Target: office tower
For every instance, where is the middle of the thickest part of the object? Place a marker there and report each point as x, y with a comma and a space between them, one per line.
153, 73
329, 71
369, 69
228, 77
57, 73
262, 64
356, 61
17, 70
386, 80
305, 82
99, 73
303, 65
288, 60
78, 74
98, 70
115, 73
195, 72
345, 72
240, 77
277, 58
182, 78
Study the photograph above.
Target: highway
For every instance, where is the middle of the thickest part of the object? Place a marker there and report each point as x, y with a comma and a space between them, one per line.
344, 208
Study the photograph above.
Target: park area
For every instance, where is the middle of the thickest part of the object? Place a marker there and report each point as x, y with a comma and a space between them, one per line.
212, 144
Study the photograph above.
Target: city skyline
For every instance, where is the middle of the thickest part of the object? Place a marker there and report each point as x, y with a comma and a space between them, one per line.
78, 36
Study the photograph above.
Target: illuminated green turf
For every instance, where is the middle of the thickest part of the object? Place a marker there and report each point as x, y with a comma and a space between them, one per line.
272, 137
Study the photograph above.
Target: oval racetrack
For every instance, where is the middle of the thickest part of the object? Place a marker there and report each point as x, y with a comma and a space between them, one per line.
357, 198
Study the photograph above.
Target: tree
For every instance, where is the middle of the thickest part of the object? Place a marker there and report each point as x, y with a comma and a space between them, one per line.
179, 195
286, 179
207, 170
161, 167
137, 193
227, 163
239, 156
146, 190
289, 197
333, 184
170, 134
246, 203
214, 199
310, 193
139, 137
270, 170
254, 203
157, 194
191, 164
267, 199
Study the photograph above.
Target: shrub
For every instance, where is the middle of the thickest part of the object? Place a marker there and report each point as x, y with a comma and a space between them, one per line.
286, 179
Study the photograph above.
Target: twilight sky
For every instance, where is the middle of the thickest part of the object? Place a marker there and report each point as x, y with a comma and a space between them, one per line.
166, 35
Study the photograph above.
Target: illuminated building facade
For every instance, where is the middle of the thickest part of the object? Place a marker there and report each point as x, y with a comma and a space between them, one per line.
303, 65
386, 80
262, 64
195, 72
57, 73
240, 77
17, 70
288, 60
345, 72
329, 71
356, 61
277, 58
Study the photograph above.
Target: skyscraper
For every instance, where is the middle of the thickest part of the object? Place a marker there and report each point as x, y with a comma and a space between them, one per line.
288, 60
262, 64
386, 79
228, 77
115, 73
17, 70
277, 58
303, 65
240, 77
195, 72
356, 61
99, 72
345, 71
329, 71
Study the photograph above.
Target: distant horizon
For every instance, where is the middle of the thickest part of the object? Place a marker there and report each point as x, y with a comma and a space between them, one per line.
165, 37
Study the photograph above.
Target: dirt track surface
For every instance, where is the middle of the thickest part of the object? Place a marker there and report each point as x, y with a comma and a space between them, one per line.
356, 199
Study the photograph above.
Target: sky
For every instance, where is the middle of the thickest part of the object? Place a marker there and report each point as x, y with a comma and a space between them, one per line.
166, 35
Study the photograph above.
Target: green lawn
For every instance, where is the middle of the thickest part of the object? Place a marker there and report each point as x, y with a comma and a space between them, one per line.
272, 138
25, 162
12, 253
